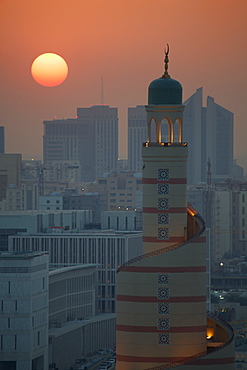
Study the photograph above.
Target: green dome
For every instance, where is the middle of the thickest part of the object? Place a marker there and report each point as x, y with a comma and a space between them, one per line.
165, 91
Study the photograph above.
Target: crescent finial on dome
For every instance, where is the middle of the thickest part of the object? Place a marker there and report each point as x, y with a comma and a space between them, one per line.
166, 60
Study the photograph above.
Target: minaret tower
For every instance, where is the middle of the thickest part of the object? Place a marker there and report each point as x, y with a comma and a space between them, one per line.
161, 319
165, 166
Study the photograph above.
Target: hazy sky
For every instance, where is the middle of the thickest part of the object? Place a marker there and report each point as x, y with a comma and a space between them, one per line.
123, 41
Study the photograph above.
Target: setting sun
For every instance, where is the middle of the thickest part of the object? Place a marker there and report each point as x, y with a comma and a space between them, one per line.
49, 69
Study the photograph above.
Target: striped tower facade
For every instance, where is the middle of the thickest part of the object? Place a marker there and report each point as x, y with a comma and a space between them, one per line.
164, 182
161, 313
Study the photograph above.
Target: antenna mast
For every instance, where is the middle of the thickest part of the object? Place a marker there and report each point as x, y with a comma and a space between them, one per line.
102, 91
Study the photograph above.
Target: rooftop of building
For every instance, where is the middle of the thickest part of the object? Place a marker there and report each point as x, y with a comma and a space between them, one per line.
75, 324
21, 255
57, 271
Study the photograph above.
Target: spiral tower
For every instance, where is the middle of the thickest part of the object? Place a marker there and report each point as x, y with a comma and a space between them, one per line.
161, 295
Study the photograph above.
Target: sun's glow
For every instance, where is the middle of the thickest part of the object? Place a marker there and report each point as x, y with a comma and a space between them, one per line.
49, 69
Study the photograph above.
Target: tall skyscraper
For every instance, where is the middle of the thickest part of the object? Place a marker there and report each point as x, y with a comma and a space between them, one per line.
10, 172
209, 133
137, 134
92, 138
2, 141
161, 295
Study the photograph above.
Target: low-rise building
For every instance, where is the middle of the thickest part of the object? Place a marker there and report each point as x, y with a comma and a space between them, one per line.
31, 222
24, 311
74, 330
106, 249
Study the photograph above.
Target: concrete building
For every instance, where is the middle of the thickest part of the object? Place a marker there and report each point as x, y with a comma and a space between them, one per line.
32, 222
23, 197
106, 249
10, 171
87, 201
121, 220
209, 133
161, 318
74, 330
24, 311
137, 134
62, 171
91, 139
2, 140
123, 190
51, 202
223, 207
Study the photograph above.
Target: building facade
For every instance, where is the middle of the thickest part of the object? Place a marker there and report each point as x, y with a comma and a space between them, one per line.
137, 134
24, 311
106, 249
91, 139
209, 133
74, 329
10, 171
123, 190
23, 197
31, 222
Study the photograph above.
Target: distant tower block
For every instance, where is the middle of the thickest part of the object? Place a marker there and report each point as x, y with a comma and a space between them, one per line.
165, 167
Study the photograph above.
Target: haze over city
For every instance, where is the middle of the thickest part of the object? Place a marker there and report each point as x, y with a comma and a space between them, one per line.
123, 42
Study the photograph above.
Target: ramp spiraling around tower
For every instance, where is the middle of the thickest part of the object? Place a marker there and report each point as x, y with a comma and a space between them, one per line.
200, 221
161, 314
203, 357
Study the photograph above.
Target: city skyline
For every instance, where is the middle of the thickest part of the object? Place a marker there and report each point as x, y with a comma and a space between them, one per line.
111, 39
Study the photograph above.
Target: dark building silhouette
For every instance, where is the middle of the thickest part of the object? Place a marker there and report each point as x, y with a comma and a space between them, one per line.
91, 138
2, 141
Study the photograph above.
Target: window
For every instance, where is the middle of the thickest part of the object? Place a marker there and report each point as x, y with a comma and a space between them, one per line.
47, 201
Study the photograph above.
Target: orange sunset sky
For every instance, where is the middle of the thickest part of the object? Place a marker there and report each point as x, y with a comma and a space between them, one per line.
123, 41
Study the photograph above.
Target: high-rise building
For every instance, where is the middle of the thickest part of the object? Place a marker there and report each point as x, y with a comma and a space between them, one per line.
10, 171
209, 133
137, 134
161, 295
2, 141
92, 139
24, 311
